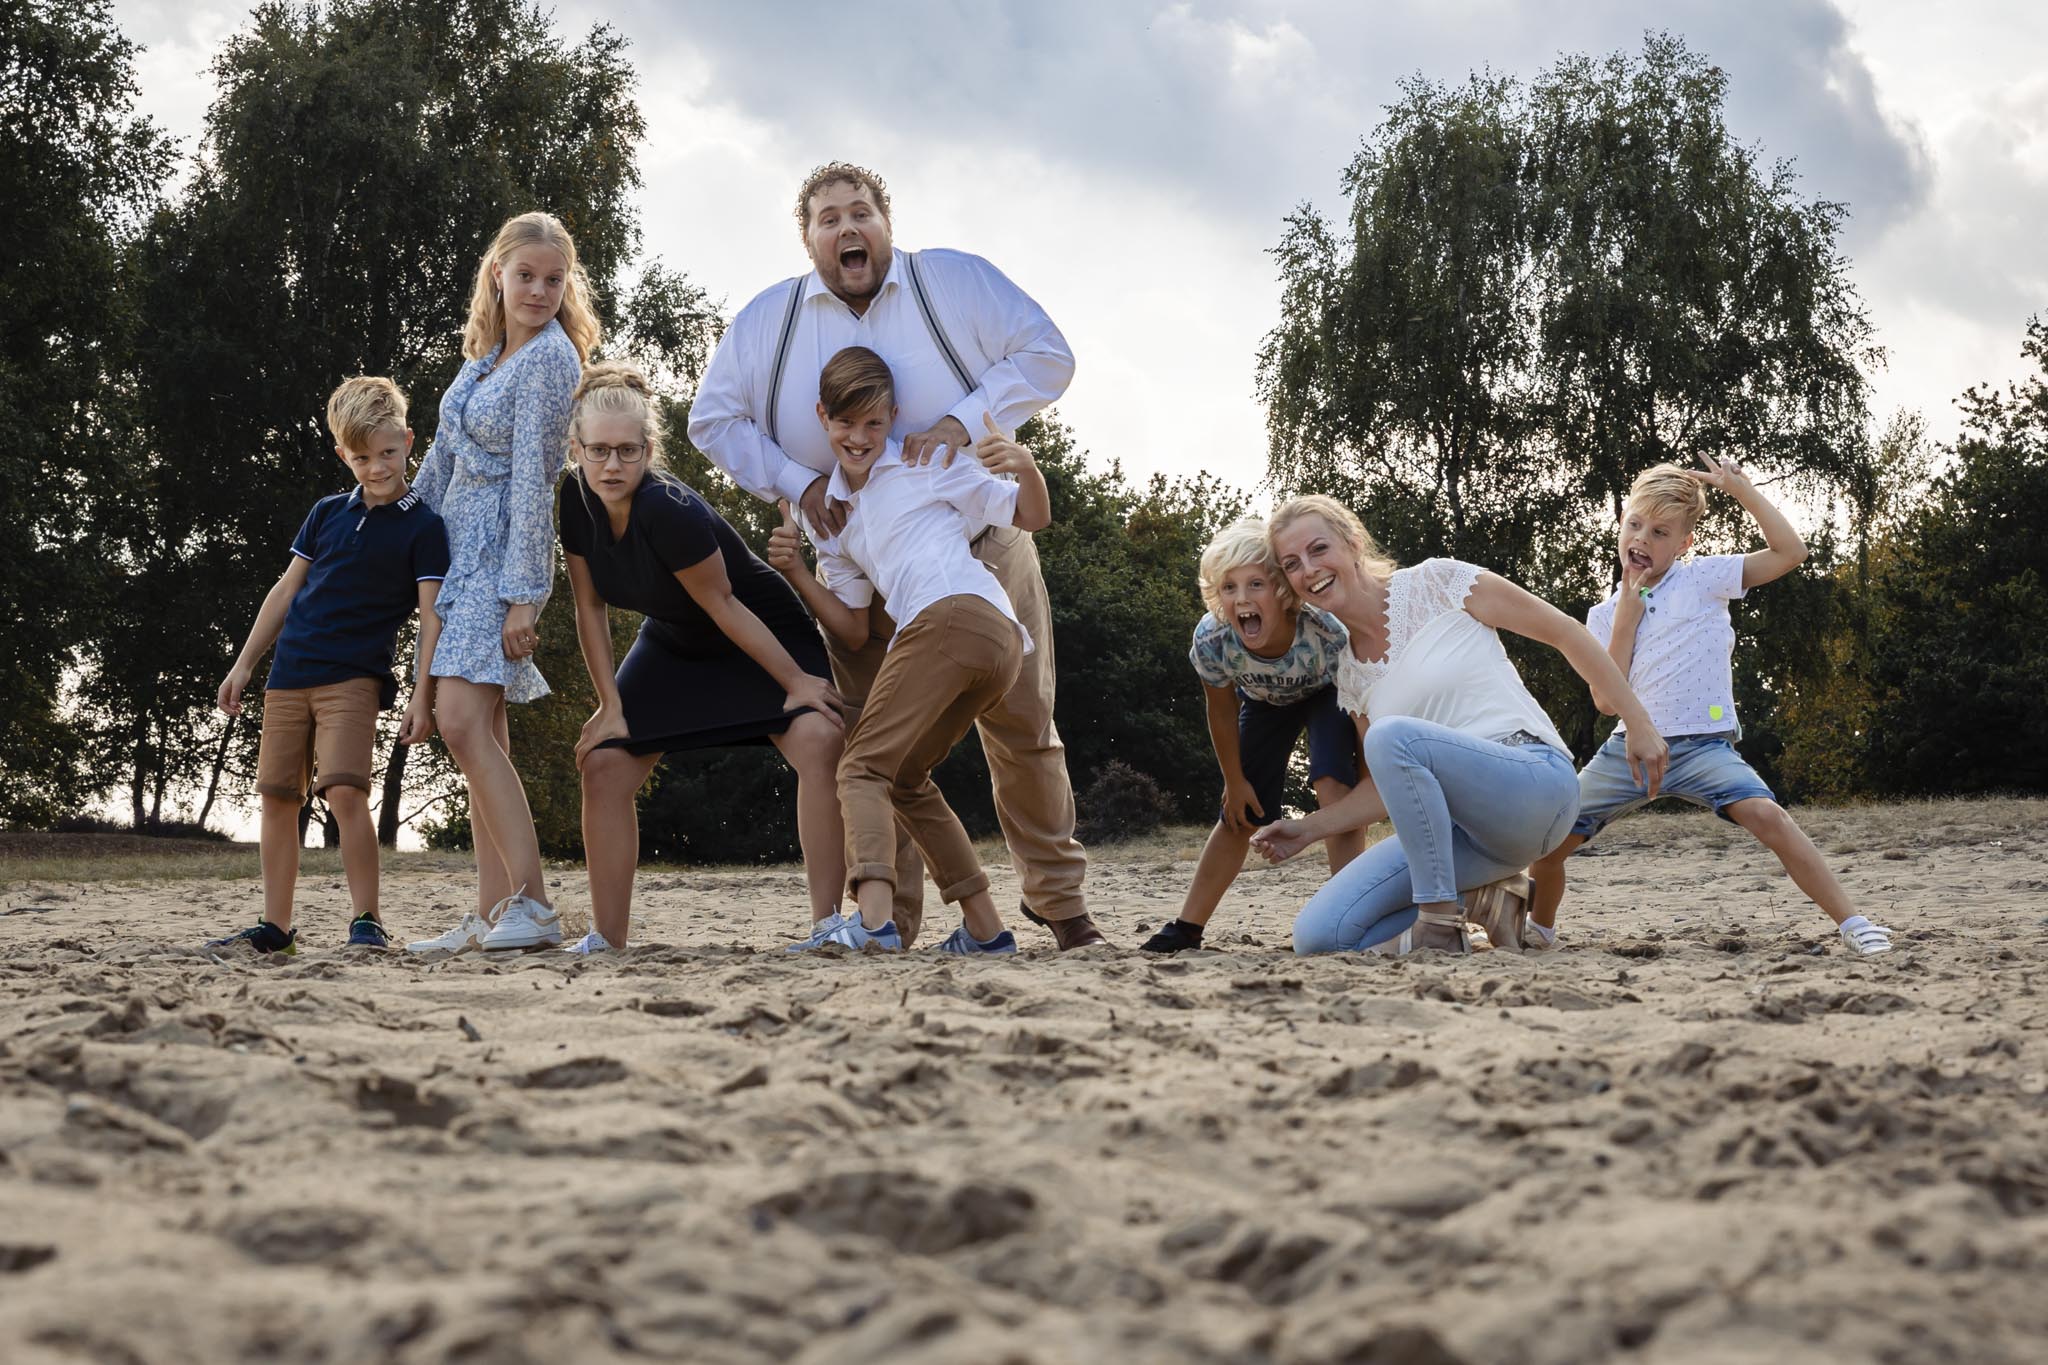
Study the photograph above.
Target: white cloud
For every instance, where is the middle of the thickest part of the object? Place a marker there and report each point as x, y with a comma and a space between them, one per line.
1130, 163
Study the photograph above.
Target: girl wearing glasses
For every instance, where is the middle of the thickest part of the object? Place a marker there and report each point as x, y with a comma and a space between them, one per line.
727, 653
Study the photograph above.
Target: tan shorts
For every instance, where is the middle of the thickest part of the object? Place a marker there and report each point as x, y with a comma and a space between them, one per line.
330, 730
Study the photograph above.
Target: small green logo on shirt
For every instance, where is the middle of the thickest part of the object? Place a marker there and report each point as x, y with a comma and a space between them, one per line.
1714, 711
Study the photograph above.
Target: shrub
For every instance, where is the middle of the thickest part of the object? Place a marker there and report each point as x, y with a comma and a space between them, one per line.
1121, 803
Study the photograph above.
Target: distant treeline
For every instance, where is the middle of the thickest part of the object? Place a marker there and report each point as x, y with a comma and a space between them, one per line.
1542, 288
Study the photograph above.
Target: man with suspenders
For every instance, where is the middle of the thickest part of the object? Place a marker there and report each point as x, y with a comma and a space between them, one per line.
961, 340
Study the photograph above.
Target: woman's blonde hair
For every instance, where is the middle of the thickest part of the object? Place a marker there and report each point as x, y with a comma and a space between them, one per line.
616, 388
1342, 521
1240, 545
578, 315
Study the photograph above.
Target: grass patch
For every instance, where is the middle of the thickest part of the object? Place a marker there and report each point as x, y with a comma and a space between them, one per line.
134, 859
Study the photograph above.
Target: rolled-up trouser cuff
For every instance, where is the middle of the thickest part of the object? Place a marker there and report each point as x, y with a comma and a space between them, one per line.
869, 872
961, 890
324, 781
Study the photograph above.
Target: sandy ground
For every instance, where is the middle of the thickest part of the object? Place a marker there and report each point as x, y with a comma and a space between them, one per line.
1700, 1133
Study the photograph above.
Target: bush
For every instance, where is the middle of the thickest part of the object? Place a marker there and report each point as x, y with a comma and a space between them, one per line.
1121, 803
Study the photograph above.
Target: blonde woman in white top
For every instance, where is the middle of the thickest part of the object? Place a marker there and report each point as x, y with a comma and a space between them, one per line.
1460, 757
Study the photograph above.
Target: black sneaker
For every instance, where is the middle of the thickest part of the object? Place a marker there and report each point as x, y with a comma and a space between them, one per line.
261, 937
365, 932
1174, 936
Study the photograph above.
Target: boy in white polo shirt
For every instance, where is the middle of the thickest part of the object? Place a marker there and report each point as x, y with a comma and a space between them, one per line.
957, 649
1667, 627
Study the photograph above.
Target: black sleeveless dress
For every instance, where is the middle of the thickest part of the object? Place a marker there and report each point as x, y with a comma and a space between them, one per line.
685, 684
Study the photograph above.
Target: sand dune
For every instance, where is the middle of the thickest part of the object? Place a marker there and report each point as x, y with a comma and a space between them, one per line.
1701, 1133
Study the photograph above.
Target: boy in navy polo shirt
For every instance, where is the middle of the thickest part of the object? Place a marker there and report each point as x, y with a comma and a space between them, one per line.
361, 564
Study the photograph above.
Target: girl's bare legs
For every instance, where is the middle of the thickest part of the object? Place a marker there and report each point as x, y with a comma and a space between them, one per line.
812, 746
611, 835
473, 721
1338, 848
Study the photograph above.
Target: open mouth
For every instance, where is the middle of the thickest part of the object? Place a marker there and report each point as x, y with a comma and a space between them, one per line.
854, 257
1638, 560
1250, 624
1315, 586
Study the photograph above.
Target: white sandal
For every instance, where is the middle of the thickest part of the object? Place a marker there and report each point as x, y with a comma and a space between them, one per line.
1866, 939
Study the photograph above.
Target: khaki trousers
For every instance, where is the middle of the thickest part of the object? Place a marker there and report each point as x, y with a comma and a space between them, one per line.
1034, 797
947, 667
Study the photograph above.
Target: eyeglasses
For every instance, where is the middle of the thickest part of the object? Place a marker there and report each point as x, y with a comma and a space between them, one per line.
600, 454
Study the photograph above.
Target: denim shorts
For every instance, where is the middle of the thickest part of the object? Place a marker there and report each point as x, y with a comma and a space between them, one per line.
1705, 770
1266, 733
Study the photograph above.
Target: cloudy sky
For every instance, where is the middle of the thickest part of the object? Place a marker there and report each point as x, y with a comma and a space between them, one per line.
1129, 163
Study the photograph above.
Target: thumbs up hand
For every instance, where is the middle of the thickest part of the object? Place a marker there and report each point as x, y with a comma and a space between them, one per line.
785, 543
998, 453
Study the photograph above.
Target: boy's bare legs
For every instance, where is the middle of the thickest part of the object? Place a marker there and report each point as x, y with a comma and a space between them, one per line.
473, 721
611, 836
978, 913
351, 807
1779, 833
1546, 877
279, 852
1222, 859
812, 746
1338, 848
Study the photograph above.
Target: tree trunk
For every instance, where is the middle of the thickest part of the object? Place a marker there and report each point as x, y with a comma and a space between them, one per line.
305, 819
394, 783
136, 778
220, 762
330, 832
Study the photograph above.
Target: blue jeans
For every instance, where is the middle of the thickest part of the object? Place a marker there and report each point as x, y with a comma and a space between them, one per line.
1705, 770
1466, 811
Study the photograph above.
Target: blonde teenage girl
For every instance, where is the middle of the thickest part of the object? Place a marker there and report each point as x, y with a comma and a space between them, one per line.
491, 475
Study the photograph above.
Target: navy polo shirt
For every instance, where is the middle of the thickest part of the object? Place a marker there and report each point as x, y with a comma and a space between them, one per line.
365, 565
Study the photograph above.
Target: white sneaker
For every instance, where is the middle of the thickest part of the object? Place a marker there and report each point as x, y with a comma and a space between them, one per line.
592, 942
463, 937
1865, 938
524, 923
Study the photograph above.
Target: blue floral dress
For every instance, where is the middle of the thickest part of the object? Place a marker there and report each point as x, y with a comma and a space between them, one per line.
491, 475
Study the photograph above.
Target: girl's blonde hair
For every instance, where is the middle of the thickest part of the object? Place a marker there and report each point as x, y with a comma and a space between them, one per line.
616, 388
1240, 545
578, 316
1343, 523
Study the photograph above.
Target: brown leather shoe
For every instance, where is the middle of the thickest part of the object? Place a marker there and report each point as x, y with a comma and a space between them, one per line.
1078, 932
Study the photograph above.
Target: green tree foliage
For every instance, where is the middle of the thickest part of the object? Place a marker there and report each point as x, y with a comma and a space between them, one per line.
81, 171
1960, 652
359, 156
1544, 290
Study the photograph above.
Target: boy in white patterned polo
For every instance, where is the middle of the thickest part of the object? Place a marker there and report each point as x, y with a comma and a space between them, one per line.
1268, 665
1667, 627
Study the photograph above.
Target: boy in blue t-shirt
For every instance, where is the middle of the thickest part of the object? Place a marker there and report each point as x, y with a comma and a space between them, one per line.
362, 562
1269, 667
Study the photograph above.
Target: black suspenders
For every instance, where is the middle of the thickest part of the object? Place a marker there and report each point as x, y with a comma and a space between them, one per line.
924, 309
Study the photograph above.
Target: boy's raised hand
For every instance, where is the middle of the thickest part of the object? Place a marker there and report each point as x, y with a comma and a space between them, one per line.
1722, 472
785, 543
998, 453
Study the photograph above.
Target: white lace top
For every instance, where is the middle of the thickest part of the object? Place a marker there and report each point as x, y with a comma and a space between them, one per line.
1442, 665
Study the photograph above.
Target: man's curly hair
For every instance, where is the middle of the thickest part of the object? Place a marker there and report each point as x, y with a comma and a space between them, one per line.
831, 173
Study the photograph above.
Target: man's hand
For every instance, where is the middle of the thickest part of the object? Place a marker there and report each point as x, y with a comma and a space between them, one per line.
947, 437
521, 637
229, 698
1238, 797
998, 453
827, 516
785, 544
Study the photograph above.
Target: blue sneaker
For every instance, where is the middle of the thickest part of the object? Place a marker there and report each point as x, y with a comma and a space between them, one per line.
365, 932
820, 931
261, 937
965, 944
851, 933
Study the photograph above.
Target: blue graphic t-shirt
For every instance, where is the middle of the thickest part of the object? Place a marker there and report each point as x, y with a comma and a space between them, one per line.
1221, 660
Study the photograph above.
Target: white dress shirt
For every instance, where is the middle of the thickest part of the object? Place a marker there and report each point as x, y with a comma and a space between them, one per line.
1003, 337
907, 536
